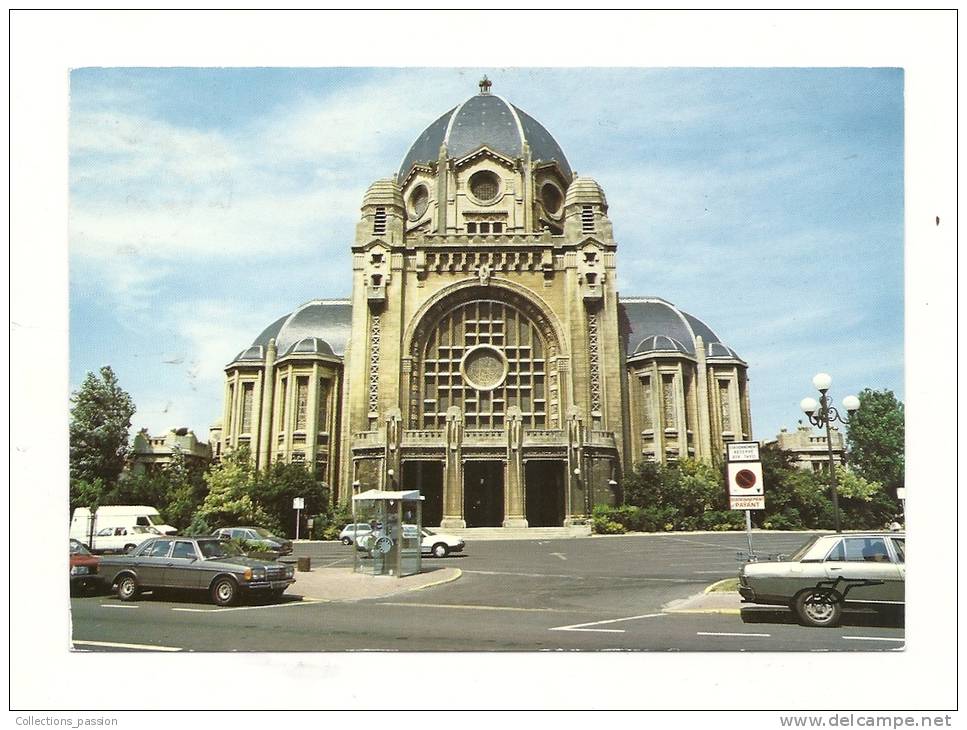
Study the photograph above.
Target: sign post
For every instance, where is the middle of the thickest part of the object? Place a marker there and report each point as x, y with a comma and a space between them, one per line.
745, 482
298, 504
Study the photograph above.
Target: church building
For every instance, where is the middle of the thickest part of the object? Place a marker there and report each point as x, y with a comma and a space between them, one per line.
485, 356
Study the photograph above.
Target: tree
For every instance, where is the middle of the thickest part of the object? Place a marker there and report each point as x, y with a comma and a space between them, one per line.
230, 500
279, 483
100, 419
875, 439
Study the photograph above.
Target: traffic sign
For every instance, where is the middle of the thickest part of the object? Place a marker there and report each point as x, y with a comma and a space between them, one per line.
298, 503
745, 479
742, 451
747, 503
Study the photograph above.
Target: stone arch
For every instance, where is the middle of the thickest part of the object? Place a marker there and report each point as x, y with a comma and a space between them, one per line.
528, 312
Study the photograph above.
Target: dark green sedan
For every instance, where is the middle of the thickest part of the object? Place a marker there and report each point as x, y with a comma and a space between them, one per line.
195, 563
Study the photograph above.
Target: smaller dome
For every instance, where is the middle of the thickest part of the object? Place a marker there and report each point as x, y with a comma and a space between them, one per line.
720, 351
310, 346
585, 191
660, 343
384, 192
256, 353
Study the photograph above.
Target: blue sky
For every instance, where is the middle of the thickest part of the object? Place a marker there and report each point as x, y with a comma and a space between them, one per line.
206, 203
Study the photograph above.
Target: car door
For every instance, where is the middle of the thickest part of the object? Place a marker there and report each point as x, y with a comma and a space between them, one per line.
150, 564
181, 567
863, 570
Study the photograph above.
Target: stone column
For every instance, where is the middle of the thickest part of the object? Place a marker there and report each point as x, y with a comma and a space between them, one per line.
703, 441
514, 477
393, 440
453, 470
576, 486
265, 419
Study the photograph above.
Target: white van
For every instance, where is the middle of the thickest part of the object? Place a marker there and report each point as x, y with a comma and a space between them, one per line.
117, 516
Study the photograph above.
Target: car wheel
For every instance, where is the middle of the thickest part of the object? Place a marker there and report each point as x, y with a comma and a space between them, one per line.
818, 608
439, 550
224, 592
127, 588
347, 541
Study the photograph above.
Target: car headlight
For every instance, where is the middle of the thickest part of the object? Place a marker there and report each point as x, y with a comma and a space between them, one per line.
247, 575
289, 571
258, 574
80, 570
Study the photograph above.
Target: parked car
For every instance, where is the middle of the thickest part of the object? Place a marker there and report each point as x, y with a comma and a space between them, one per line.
437, 544
202, 563
259, 535
83, 568
828, 573
116, 515
121, 539
354, 531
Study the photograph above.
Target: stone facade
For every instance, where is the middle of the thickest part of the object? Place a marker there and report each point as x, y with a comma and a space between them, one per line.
485, 357
152, 452
809, 449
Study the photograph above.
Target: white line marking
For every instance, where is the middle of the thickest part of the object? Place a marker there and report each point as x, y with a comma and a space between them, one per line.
116, 605
873, 638
474, 608
562, 556
115, 645
582, 577
726, 633
579, 627
303, 602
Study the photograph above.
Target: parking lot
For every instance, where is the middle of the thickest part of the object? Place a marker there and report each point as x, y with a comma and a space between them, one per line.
598, 593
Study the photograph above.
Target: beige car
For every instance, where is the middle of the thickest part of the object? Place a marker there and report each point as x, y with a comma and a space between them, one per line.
828, 573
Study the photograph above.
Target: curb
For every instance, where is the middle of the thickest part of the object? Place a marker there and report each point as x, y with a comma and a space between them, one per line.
438, 582
711, 588
721, 611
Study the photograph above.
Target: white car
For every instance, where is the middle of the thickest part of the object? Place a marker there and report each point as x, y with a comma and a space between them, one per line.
437, 544
353, 531
121, 539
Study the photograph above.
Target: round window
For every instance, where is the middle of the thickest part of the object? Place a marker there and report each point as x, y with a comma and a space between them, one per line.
484, 185
551, 197
419, 200
484, 367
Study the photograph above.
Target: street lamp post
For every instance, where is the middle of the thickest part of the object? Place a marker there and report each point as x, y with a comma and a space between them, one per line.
822, 414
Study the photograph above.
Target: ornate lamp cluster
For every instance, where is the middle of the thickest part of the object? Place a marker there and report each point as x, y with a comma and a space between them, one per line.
822, 413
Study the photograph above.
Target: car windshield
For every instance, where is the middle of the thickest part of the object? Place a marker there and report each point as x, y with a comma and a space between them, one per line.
217, 549
78, 549
802, 551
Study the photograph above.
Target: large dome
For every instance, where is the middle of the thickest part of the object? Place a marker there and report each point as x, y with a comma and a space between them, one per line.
484, 119
319, 326
655, 325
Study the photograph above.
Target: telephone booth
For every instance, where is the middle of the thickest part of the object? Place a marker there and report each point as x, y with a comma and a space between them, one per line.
392, 547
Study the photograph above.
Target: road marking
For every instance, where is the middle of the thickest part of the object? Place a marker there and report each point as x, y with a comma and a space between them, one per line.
115, 645
303, 602
474, 608
873, 638
562, 556
582, 577
116, 605
580, 627
714, 572
726, 633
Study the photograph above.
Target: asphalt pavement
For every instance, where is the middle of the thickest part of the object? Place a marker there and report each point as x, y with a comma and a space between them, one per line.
596, 593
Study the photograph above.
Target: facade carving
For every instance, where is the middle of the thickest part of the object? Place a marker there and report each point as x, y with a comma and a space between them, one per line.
484, 356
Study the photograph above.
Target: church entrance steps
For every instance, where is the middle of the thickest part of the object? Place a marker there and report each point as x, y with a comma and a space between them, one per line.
516, 533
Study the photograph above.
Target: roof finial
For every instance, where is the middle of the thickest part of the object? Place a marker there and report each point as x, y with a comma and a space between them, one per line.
485, 85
